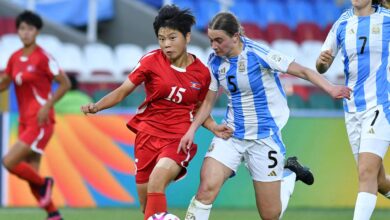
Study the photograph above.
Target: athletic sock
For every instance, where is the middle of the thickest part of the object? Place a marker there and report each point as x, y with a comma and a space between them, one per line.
286, 188
365, 205
24, 171
198, 210
155, 203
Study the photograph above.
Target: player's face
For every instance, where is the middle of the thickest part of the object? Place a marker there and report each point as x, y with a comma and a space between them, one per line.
172, 42
223, 44
360, 3
27, 33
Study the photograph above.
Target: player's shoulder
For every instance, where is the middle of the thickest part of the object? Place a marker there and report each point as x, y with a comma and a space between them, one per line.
255, 47
383, 11
16, 54
345, 16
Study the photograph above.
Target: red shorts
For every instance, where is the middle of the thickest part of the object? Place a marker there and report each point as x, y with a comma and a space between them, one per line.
149, 149
36, 136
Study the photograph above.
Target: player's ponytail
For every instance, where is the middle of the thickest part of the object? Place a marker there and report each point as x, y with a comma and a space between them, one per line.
227, 22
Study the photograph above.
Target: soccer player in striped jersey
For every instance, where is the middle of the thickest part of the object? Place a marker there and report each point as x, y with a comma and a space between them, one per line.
362, 34
175, 84
257, 111
33, 71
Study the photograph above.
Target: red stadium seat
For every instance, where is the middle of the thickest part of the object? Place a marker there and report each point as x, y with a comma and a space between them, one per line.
7, 25
276, 31
308, 31
253, 31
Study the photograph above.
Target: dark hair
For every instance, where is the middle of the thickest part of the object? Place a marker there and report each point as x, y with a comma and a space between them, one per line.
30, 18
171, 16
227, 22
376, 2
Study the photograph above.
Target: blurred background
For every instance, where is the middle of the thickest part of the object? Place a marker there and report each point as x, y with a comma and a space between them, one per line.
98, 42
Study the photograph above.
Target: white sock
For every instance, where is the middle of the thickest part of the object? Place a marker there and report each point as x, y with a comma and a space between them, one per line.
286, 188
365, 205
197, 210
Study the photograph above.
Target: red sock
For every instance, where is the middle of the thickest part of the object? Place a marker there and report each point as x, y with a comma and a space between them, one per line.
155, 203
35, 191
24, 171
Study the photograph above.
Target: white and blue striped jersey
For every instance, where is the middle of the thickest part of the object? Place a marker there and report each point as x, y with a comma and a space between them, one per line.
364, 44
257, 106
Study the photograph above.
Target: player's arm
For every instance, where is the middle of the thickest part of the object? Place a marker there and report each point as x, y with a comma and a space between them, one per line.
110, 99
64, 85
5, 81
336, 91
324, 61
200, 117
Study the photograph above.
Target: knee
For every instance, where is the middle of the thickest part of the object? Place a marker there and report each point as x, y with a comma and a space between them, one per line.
367, 173
156, 184
207, 193
6, 163
270, 214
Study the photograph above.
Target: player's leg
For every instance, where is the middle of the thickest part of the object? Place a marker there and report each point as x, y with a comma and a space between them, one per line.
372, 152
213, 175
14, 162
142, 190
368, 168
165, 171
268, 199
34, 160
265, 162
221, 161
384, 182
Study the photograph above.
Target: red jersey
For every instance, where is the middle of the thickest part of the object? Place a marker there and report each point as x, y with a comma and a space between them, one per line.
172, 95
32, 76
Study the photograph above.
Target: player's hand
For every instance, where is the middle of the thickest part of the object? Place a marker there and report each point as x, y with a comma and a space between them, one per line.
339, 92
186, 142
43, 115
325, 57
222, 131
89, 108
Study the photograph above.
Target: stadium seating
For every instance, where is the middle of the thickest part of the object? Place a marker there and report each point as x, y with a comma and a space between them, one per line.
127, 56
294, 101
321, 101
288, 47
306, 31
253, 31
100, 62
7, 25
275, 31
71, 60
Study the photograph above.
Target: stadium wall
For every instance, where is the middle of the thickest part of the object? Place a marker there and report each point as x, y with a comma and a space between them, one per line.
92, 161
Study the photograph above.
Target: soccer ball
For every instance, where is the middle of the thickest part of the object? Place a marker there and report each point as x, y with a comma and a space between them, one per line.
163, 216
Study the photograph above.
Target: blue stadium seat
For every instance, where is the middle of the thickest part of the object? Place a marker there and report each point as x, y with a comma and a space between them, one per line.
245, 11
154, 3
271, 12
327, 13
185, 4
300, 11
205, 11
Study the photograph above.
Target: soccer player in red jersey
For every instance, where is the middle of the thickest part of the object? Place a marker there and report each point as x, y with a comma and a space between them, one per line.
175, 83
32, 70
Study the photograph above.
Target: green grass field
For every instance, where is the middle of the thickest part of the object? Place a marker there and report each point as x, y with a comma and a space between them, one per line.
217, 214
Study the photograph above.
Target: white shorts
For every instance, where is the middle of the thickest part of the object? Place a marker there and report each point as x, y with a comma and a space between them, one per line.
264, 158
369, 131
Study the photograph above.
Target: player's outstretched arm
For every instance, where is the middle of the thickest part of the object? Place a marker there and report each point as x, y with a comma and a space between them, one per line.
110, 99
336, 91
202, 114
5, 81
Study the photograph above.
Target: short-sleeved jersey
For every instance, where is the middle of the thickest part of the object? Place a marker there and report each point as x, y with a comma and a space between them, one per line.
33, 76
364, 44
257, 106
172, 95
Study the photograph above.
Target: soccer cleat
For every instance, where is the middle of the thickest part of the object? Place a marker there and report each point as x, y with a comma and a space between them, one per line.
54, 216
303, 173
45, 192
